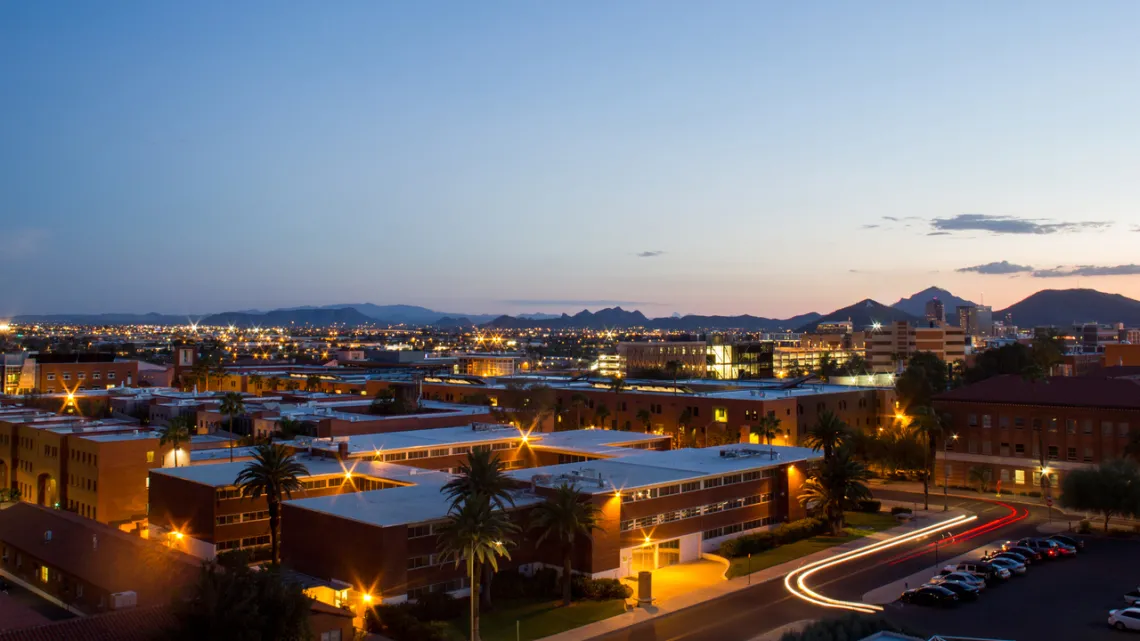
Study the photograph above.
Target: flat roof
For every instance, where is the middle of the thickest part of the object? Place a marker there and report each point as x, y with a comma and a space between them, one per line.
122, 436
656, 468
435, 437
223, 474
394, 506
597, 441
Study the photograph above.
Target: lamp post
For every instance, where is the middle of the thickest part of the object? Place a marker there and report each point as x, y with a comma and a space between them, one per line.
946, 472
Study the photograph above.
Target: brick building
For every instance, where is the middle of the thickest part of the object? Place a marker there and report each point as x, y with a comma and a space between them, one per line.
1006, 423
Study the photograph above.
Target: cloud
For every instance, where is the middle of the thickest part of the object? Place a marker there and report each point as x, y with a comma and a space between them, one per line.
1011, 225
1088, 270
650, 254
1136, 228
1003, 267
18, 244
870, 226
938, 233
574, 302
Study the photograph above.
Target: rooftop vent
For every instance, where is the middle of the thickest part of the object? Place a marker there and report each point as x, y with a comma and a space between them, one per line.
747, 452
488, 427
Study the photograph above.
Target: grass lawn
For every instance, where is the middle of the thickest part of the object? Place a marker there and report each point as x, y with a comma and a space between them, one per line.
859, 524
537, 618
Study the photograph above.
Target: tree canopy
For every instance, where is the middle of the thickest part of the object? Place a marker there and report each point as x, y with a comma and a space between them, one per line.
1110, 489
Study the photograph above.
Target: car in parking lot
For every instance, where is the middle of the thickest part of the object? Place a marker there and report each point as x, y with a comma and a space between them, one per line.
965, 577
980, 569
1076, 543
1014, 567
1048, 549
1124, 618
1010, 555
929, 595
965, 591
1131, 598
1032, 554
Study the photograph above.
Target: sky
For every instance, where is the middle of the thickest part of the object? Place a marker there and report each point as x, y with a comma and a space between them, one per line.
504, 157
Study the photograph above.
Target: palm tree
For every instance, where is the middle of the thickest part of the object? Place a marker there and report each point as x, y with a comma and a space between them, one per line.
482, 476
255, 382
201, 372
827, 434
674, 367
176, 433
564, 516
272, 472
683, 421
578, 401
646, 419
476, 533
219, 372
837, 484
602, 412
232, 405
768, 427
290, 428
925, 423
981, 475
312, 382
274, 382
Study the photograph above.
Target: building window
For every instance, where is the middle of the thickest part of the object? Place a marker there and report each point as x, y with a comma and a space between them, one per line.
1088, 455
987, 422
67, 376
95, 375
1005, 476
51, 377
110, 376
1053, 424
1019, 422
44, 574
720, 414
1053, 454
1071, 454
1019, 477
81, 375
1106, 428
1070, 426
1122, 429
150, 457
1086, 426
972, 420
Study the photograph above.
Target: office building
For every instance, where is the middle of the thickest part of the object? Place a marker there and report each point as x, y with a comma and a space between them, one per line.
935, 311
690, 358
891, 347
976, 320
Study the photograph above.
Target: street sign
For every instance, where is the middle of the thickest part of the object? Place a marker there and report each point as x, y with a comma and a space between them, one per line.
1049, 502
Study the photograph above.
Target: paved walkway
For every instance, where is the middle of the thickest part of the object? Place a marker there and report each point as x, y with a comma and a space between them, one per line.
724, 588
677, 580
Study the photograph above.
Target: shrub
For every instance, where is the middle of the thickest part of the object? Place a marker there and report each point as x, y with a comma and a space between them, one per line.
1084, 527
758, 542
437, 606
898, 509
399, 623
870, 506
583, 587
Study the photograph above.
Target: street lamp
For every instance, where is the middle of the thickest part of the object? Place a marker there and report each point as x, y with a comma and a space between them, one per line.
946, 472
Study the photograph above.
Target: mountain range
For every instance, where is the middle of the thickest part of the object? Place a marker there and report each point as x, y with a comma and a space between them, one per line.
1048, 307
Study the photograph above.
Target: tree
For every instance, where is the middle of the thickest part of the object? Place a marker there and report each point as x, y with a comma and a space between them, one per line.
1112, 489
477, 533
827, 434
838, 483
291, 428
218, 371
674, 368
255, 382
646, 419
924, 377
233, 404
481, 476
201, 373
578, 401
982, 475
616, 384
274, 383
235, 603
768, 427
828, 366
565, 516
176, 433
926, 423
856, 365
312, 382
602, 412
273, 472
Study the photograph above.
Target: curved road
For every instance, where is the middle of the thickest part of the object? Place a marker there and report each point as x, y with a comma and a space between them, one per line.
753, 611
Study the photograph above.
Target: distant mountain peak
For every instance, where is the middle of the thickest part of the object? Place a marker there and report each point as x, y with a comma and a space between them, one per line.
915, 305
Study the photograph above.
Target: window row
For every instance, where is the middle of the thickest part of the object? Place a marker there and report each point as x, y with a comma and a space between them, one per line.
736, 528
693, 486
1072, 425
244, 517
81, 376
693, 512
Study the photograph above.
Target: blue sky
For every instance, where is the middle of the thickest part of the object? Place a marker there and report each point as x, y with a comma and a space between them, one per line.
509, 156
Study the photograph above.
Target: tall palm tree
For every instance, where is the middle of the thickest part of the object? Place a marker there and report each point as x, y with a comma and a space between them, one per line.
646, 419
274, 382
312, 382
481, 476
827, 434
565, 516
768, 427
232, 405
578, 401
273, 472
176, 433
290, 428
201, 372
674, 368
837, 484
477, 533
218, 371
602, 413
255, 382
925, 424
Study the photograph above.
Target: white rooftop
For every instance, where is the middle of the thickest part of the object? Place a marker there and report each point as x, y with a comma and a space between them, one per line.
223, 474
368, 444
395, 506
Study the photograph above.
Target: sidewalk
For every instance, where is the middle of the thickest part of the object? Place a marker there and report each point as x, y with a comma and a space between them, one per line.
697, 597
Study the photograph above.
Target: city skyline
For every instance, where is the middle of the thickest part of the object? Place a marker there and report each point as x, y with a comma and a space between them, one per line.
516, 158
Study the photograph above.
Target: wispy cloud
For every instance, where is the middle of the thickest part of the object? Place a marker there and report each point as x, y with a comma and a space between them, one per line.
650, 254
1011, 224
1001, 267
938, 233
18, 244
1088, 270
870, 226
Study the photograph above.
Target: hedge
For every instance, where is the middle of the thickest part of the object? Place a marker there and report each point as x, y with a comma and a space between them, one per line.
898, 509
546, 583
870, 506
763, 541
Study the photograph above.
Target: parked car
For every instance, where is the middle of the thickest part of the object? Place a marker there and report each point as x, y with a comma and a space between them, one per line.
1124, 618
1013, 567
1046, 548
959, 576
980, 569
1033, 554
1012, 556
929, 595
1069, 540
1063, 549
1129, 597
965, 591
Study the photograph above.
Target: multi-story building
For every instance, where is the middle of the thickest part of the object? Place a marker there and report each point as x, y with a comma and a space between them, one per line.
691, 357
800, 361
1094, 337
976, 320
63, 373
1010, 425
935, 311
657, 509
1123, 354
487, 364
889, 349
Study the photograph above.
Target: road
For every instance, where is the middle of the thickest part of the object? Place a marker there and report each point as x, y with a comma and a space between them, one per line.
756, 610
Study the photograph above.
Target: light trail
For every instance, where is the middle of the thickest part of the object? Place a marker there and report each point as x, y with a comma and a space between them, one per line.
1009, 519
795, 581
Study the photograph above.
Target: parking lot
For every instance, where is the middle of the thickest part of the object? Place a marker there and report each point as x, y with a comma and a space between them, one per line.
1059, 600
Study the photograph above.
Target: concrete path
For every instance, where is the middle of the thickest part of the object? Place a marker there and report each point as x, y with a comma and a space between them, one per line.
891, 591
677, 580
723, 588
